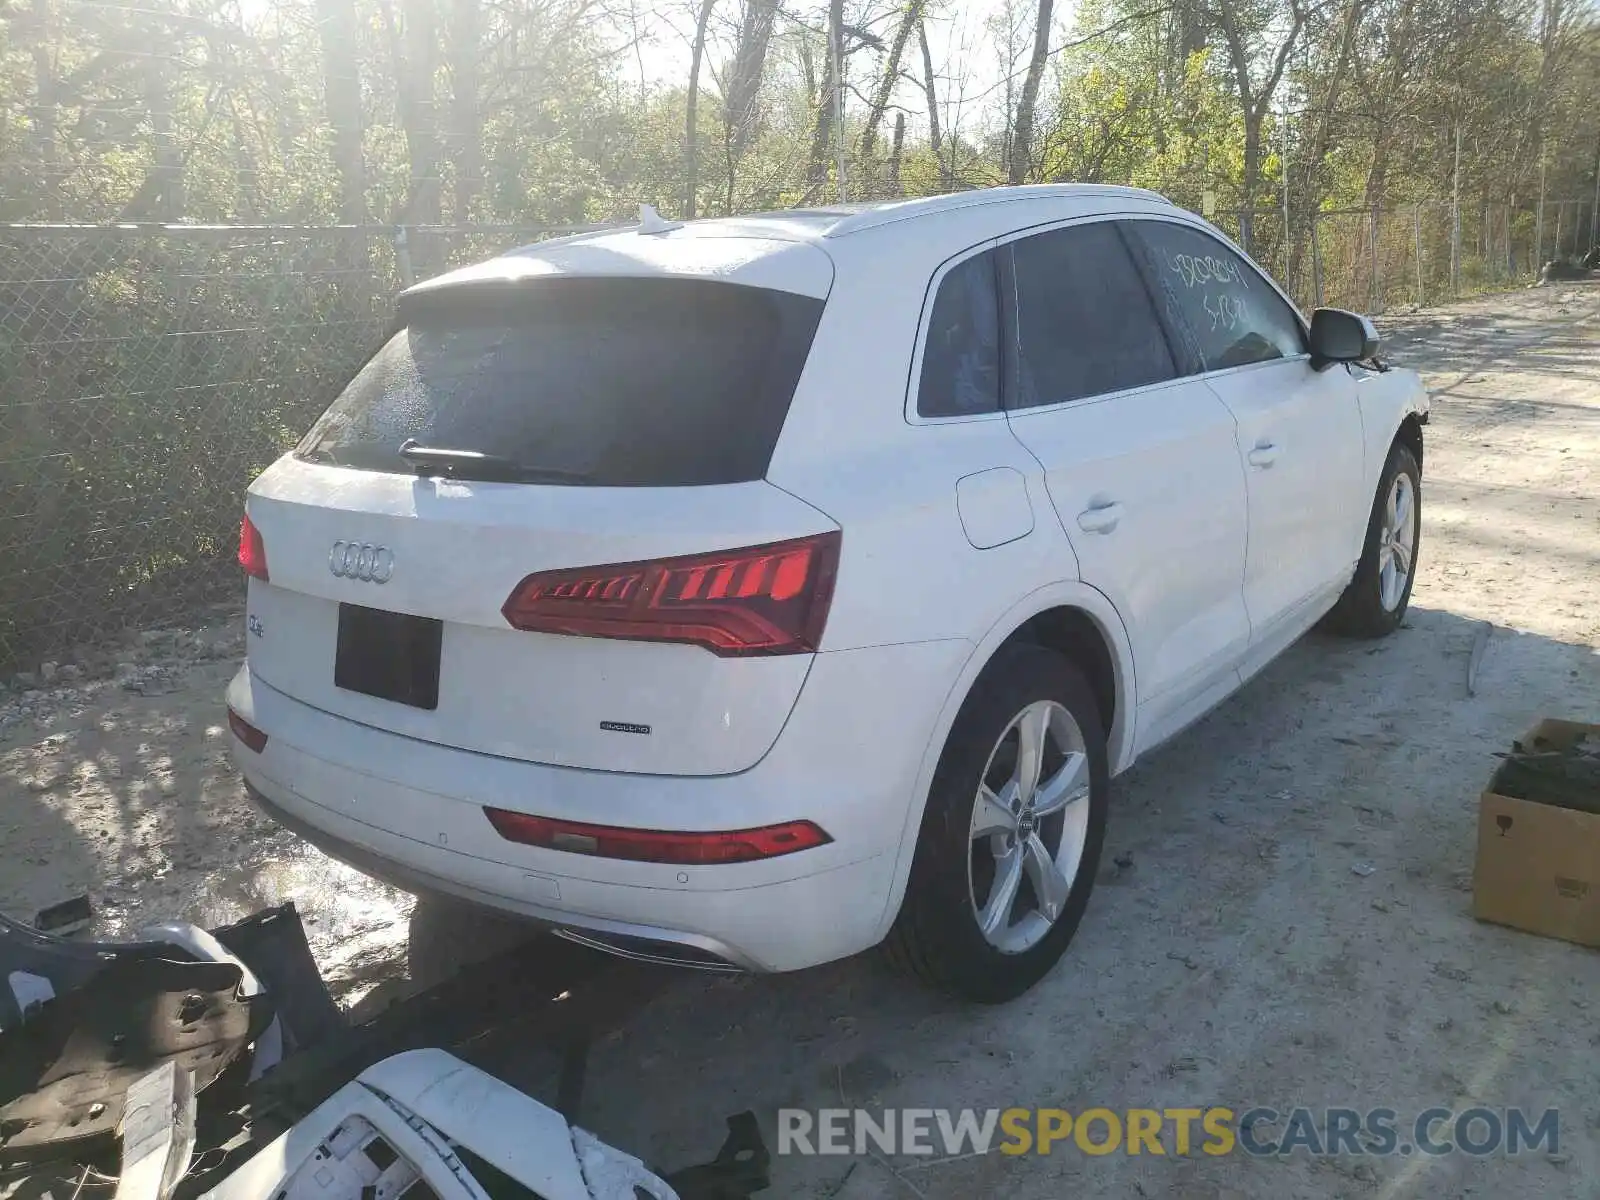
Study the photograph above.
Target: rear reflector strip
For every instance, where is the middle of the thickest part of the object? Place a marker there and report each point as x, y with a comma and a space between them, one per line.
647, 845
247, 733
769, 599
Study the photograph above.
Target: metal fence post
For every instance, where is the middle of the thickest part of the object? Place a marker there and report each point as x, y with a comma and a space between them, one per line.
1416, 228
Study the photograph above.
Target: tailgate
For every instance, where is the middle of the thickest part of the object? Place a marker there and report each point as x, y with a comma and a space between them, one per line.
453, 552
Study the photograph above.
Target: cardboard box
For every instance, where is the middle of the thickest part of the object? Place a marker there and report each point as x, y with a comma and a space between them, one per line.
1538, 864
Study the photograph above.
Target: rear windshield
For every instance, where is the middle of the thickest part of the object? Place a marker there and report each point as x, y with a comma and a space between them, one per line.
605, 382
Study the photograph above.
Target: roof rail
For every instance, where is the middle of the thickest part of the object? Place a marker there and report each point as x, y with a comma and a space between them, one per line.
901, 210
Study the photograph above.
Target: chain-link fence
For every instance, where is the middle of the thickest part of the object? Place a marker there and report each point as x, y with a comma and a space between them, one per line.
147, 374
1419, 254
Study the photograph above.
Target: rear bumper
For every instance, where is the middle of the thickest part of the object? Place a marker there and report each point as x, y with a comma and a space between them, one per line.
644, 942
412, 813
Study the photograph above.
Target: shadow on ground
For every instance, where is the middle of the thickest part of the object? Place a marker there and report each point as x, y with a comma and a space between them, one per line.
1231, 955
120, 787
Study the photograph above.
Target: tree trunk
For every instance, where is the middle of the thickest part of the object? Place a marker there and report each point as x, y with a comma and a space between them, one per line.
44, 90
935, 136
168, 169
1253, 101
465, 127
1378, 176
413, 54
691, 128
341, 92
895, 149
1022, 128
822, 132
744, 81
1250, 181
1191, 30
246, 178
1317, 148
911, 18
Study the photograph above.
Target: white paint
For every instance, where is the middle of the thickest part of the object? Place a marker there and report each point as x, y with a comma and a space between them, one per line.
1202, 524
781, 259
424, 1104
993, 506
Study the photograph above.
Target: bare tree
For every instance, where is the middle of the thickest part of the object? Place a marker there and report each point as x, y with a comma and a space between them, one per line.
910, 19
1255, 97
691, 121
1314, 150
744, 79
411, 53
44, 82
896, 148
1020, 157
466, 130
160, 196
935, 134
341, 99
829, 99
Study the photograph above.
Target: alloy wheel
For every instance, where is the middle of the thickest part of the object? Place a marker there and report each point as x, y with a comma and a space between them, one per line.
1030, 823
1397, 541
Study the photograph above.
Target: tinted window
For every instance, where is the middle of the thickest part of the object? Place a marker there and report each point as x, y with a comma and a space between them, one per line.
617, 382
961, 358
1222, 312
1085, 324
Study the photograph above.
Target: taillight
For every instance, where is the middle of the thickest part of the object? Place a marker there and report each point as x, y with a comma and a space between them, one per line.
252, 550
648, 845
770, 599
253, 738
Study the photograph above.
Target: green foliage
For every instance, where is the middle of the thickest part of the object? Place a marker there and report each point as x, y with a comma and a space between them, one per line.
144, 377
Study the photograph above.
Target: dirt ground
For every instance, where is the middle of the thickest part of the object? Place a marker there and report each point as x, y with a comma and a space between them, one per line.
1283, 917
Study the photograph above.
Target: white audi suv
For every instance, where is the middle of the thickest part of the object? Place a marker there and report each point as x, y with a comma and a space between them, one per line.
749, 592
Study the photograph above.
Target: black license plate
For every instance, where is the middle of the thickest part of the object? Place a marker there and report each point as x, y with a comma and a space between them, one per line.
388, 655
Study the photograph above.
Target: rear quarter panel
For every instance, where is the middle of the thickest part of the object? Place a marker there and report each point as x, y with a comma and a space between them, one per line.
908, 571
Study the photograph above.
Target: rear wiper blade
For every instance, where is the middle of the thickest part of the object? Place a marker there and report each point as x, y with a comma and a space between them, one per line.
475, 464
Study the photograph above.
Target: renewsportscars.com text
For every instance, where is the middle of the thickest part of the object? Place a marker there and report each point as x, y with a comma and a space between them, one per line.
1258, 1132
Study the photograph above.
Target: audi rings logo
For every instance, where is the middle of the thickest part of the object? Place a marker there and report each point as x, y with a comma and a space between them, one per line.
361, 560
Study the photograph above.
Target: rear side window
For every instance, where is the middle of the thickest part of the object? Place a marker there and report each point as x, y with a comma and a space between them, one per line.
1085, 324
604, 382
961, 357
1222, 312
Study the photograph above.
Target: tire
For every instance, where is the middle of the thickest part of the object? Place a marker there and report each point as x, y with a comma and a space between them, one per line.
937, 936
446, 935
1370, 607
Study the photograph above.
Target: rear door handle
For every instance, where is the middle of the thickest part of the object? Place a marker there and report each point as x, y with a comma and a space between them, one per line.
1102, 518
1264, 454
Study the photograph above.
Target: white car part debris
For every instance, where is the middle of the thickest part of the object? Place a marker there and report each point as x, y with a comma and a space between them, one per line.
418, 1125
157, 1133
609, 1172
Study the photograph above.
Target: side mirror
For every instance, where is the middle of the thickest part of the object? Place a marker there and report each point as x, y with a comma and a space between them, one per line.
1340, 336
